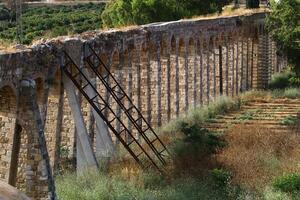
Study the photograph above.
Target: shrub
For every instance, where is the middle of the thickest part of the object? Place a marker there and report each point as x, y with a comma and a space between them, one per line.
221, 177
197, 142
287, 183
294, 81
281, 80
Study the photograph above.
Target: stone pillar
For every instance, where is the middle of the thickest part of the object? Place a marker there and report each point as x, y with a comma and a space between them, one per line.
168, 51
200, 51
38, 173
158, 83
227, 65
177, 77
186, 76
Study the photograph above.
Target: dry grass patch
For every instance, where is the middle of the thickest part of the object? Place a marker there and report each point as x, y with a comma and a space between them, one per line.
256, 155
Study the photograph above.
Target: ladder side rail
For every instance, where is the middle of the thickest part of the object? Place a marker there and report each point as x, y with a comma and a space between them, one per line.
130, 101
103, 117
139, 129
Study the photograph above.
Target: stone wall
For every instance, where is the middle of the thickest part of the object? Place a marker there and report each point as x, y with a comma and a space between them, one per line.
166, 68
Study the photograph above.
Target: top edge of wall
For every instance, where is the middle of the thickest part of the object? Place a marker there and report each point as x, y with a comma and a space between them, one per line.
153, 27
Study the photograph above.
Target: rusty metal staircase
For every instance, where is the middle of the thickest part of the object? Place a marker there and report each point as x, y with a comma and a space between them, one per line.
148, 151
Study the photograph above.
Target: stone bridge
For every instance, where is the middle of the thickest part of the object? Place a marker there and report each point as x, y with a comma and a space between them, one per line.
166, 68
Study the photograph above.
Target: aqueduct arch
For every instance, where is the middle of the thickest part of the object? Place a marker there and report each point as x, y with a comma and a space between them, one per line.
165, 68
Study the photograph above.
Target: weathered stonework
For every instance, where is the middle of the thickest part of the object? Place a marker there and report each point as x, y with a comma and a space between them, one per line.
166, 68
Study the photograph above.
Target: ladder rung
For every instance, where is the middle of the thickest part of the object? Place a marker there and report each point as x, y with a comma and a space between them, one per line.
161, 151
148, 166
146, 129
138, 119
114, 87
139, 154
104, 77
154, 140
132, 141
127, 111
100, 104
120, 132
92, 99
102, 109
74, 76
120, 98
85, 86
112, 120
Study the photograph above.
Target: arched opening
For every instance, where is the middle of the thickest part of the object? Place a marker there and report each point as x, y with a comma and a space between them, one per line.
211, 70
8, 125
182, 76
192, 71
174, 83
165, 80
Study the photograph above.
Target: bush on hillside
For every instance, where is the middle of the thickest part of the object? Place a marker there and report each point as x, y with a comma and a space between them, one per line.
127, 12
281, 80
288, 183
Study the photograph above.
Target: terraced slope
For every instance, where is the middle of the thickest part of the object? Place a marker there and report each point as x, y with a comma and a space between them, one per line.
278, 115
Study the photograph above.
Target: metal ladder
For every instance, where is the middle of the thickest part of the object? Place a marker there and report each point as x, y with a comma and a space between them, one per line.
151, 153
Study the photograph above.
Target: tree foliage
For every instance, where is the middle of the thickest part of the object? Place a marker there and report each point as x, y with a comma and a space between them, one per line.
127, 12
284, 25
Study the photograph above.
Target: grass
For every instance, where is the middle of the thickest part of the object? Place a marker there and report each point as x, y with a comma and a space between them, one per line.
290, 93
190, 176
256, 155
291, 120
97, 186
202, 114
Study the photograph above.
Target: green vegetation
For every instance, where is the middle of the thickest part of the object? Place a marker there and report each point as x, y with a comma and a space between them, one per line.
289, 120
285, 85
237, 165
50, 21
248, 115
96, 186
284, 26
252, 3
289, 183
283, 80
189, 178
127, 12
202, 114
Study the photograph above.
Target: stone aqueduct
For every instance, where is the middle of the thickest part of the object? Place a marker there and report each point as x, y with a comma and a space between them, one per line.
167, 68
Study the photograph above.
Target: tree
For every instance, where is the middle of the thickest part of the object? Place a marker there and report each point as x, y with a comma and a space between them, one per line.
252, 3
284, 25
127, 12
